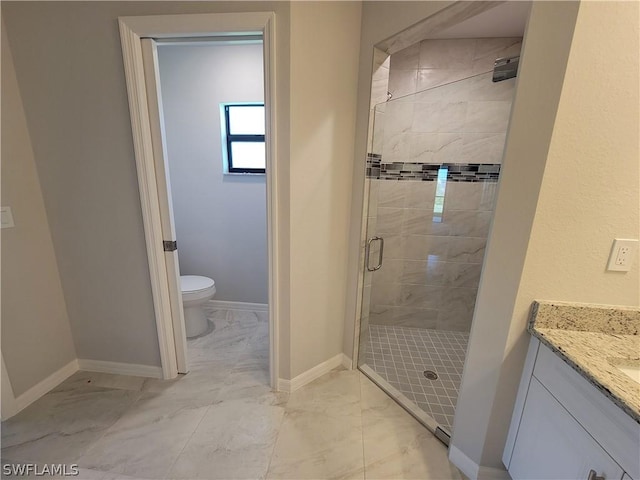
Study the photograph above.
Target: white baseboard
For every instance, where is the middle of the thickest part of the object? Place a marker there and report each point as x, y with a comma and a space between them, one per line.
473, 470
25, 399
313, 373
256, 307
347, 362
120, 368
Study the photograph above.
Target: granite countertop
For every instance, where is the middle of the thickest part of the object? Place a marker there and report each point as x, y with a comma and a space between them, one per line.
593, 339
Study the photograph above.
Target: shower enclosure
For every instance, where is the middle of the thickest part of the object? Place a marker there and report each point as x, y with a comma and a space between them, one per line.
432, 175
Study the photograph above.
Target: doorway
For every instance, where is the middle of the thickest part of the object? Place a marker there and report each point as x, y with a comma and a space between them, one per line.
140, 36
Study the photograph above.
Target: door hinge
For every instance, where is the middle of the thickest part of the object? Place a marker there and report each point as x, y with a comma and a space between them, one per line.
170, 245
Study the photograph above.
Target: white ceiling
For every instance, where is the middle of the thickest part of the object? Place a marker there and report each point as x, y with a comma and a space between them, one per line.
506, 20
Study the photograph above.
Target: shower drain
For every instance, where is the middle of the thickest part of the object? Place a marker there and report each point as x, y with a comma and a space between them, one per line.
430, 374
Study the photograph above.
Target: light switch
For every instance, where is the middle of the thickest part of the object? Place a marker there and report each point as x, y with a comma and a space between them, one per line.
622, 254
6, 217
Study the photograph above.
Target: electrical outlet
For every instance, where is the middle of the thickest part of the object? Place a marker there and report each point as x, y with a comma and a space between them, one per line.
622, 254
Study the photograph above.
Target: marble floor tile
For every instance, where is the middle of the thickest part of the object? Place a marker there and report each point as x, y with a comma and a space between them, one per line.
251, 384
227, 339
314, 445
335, 394
148, 438
103, 380
395, 445
221, 420
234, 441
321, 435
60, 426
202, 383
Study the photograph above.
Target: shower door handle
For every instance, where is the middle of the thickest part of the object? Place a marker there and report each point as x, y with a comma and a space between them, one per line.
380, 253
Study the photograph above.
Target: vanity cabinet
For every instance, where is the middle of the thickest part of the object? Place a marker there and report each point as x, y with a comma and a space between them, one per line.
551, 444
564, 428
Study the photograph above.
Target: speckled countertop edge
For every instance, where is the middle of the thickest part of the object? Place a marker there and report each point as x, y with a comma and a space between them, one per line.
585, 336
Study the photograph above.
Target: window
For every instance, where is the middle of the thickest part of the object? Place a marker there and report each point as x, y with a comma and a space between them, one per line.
244, 135
441, 187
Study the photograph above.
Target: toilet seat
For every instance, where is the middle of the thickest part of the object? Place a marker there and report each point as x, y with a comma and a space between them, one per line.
195, 287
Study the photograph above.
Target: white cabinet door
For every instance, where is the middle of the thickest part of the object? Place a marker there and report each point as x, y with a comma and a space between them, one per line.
551, 444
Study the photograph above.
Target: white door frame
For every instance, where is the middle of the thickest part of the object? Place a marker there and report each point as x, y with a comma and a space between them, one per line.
143, 117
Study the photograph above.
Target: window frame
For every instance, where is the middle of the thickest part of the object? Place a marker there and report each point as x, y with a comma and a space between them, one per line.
231, 138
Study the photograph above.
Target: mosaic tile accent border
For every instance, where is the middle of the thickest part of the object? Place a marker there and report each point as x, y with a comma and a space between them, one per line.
428, 172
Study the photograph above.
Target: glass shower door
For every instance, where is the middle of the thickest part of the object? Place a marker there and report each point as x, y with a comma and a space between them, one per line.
432, 174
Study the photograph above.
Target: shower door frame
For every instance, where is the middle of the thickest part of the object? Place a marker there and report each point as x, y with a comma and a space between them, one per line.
423, 30
443, 19
154, 195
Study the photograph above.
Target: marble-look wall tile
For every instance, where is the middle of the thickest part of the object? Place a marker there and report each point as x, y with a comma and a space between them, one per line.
463, 275
487, 50
448, 95
392, 194
390, 272
398, 118
434, 77
426, 254
463, 195
462, 121
394, 247
426, 247
420, 296
488, 197
482, 147
389, 219
397, 147
448, 148
384, 294
422, 147
420, 222
448, 53
404, 316
439, 116
402, 82
466, 250
457, 320
483, 88
487, 117
423, 272
420, 195
406, 59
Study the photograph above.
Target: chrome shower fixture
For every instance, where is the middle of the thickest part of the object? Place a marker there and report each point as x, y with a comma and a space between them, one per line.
505, 68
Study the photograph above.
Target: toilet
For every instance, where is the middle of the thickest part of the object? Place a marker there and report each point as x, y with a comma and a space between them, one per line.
196, 290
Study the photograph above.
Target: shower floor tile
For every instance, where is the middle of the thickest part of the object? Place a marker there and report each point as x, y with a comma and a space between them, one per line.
401, 355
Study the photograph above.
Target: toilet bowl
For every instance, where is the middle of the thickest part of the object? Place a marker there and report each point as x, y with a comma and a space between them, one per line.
196, 290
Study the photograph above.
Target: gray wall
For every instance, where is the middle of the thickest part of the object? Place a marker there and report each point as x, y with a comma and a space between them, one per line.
220, 219
36, 335
69, 68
